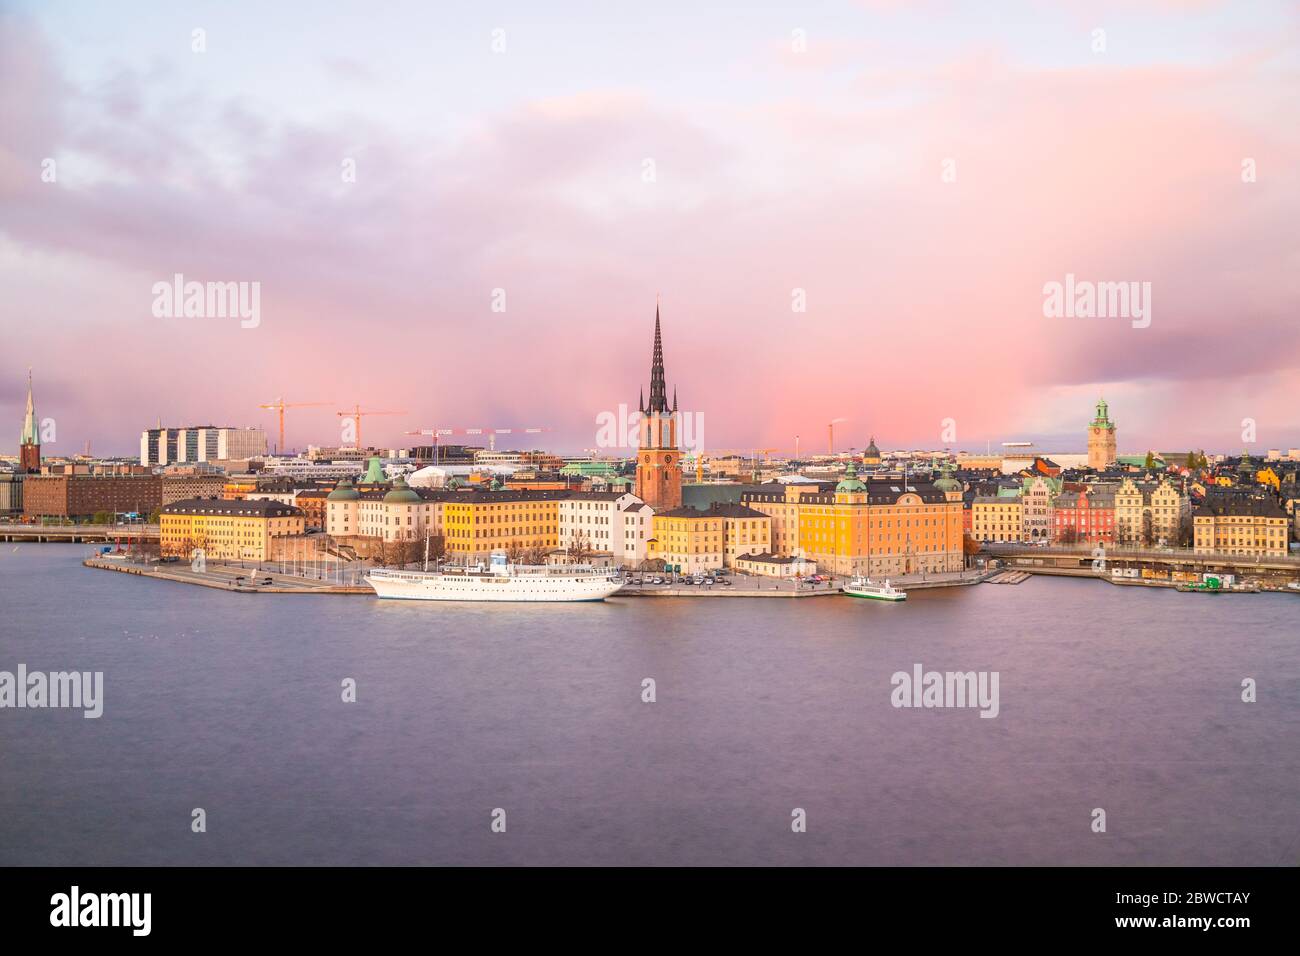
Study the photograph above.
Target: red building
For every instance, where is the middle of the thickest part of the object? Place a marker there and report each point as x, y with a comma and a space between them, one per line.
1084, 517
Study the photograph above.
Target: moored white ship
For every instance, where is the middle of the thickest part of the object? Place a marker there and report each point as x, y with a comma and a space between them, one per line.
499, 581
866, 588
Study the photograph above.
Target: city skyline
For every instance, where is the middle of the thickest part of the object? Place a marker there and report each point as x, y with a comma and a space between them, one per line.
814, 177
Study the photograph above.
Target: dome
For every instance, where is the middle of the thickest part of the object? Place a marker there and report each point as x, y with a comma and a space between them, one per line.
343, 491
401, 493
947, 482
850, 482
872, 451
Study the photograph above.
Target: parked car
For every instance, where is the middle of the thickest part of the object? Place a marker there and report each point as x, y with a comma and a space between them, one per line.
657, 581
709, 581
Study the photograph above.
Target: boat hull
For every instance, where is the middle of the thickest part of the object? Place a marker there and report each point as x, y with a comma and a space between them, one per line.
417, 586
868, 596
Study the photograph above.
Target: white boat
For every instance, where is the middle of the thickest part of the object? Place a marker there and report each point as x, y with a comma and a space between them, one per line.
866, 588
499, 581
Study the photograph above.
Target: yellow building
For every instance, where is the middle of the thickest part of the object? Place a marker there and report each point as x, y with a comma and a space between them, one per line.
1241, 526
226, 529
686, 540
476, 523
881, 526
996, 519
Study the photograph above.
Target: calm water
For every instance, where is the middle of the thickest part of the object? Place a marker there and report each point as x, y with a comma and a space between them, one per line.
1125, 699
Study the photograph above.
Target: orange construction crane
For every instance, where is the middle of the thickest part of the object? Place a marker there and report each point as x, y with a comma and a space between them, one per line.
280, 405
356, 414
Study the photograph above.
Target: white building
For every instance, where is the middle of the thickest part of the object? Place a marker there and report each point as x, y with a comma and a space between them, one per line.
600, 523
166, 446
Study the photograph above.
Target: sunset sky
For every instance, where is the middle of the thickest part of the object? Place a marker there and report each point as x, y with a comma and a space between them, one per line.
775, 170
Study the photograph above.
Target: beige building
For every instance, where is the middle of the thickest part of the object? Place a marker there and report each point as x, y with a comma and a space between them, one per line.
1241, 526
226, 530
1149, 513
398, 513
1036, 508
998, 519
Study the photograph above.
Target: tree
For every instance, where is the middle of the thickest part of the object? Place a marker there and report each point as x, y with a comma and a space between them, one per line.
1150, 463
1148, 530
1069, 535
102, 517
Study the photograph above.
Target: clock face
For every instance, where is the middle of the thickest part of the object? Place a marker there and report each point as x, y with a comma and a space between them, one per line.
668, 459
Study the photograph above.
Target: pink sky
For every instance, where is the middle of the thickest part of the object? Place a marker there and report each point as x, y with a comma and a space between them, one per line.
775, 171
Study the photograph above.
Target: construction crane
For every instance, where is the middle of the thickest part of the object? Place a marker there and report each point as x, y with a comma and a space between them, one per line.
729, 453
834, 421
492, 434
356, 414
280, 405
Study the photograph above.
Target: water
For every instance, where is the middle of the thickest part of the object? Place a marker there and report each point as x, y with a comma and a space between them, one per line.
1125, 699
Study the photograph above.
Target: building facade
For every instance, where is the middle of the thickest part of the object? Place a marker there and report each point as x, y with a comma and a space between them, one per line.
80, 497
881, 526
1036, 498
1241, 525
1084, 517
599, 523
226, 530
996, 518
165, 446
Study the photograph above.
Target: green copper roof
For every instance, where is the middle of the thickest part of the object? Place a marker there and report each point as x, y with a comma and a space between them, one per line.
947, 482
1103, 415
401, 493
343, 491
374, 474
850, 483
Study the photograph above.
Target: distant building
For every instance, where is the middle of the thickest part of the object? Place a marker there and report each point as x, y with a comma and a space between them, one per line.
1101, 439
164, 446
180, 487
11, 493
80, 497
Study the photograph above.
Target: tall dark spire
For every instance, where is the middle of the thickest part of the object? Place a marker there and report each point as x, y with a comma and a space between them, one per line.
658, 390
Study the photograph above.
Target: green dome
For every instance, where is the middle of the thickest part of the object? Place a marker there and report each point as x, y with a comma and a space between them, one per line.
401, 493
343, 491
850, 482
497, 484
947, 482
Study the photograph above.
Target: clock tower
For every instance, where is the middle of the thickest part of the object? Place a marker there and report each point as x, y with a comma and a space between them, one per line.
659, 461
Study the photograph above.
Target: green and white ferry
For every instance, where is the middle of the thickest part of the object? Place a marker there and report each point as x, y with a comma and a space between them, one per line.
861, 587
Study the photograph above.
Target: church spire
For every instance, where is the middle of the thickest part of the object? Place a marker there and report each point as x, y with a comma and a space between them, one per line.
30, 436
658, 390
